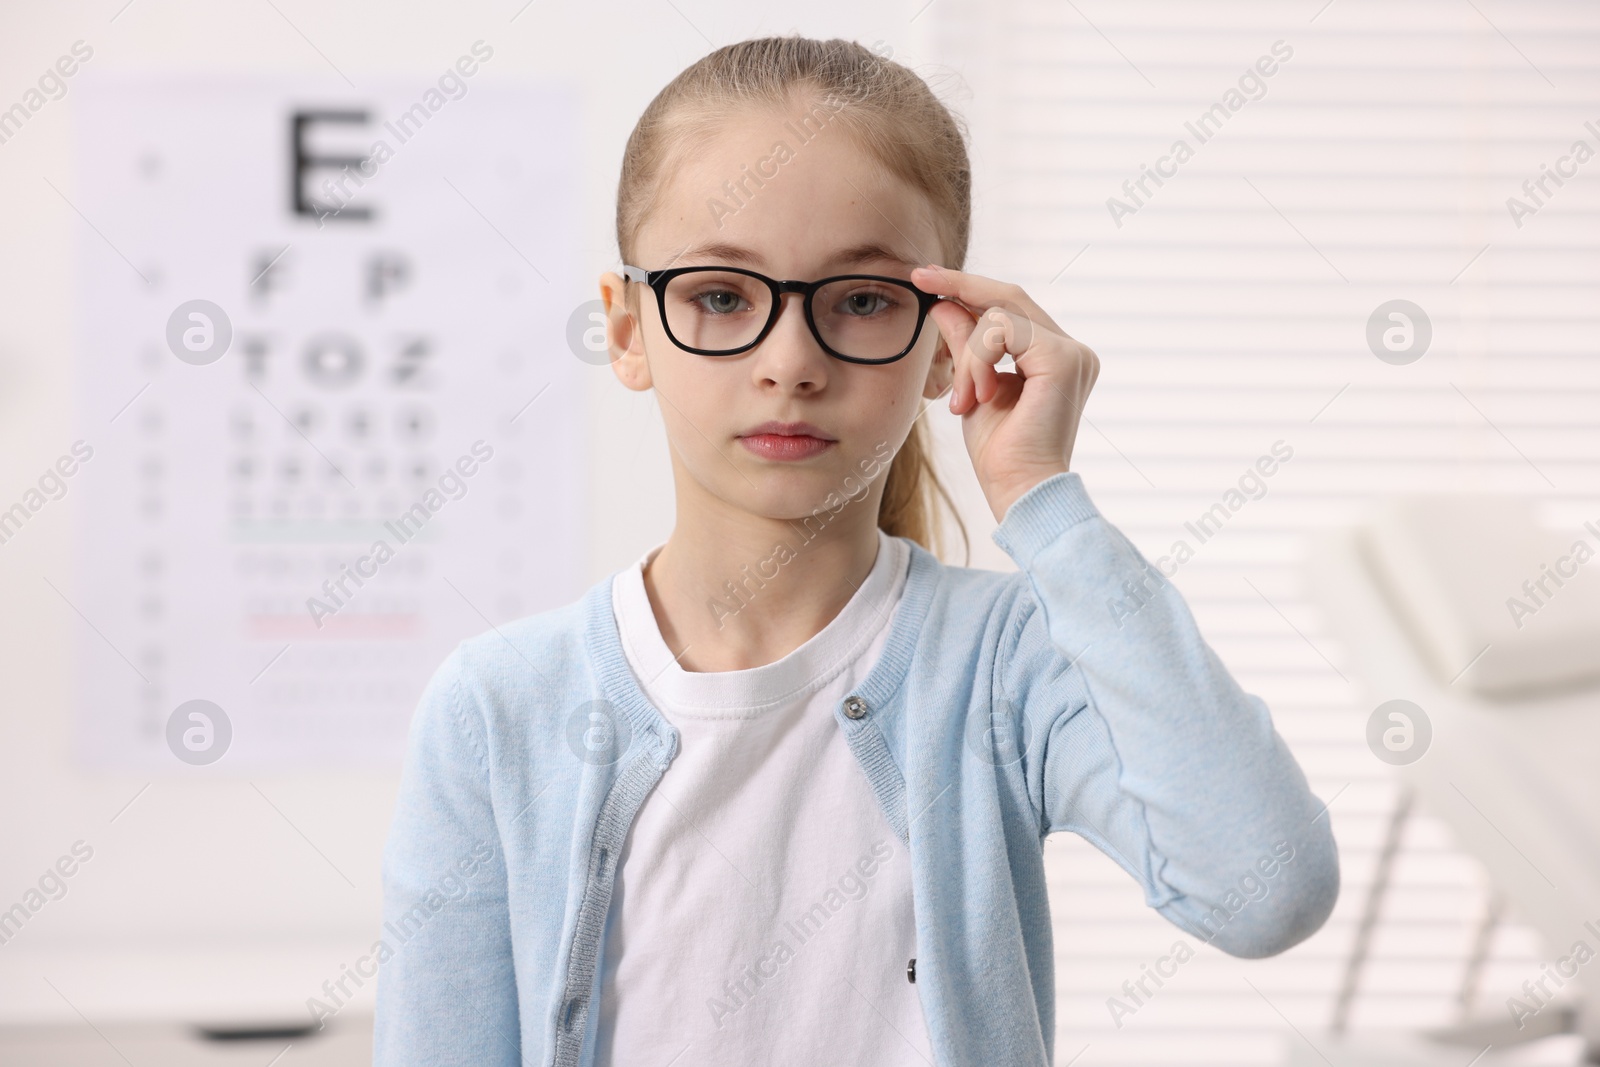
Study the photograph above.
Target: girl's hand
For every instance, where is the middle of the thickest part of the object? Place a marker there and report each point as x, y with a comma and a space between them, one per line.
1019, 426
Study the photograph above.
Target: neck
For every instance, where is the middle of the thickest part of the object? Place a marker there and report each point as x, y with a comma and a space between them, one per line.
736, 591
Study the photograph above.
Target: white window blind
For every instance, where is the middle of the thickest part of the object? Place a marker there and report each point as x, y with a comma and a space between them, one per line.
1230, 312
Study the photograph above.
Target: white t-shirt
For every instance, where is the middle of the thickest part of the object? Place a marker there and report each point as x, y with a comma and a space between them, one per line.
762, 912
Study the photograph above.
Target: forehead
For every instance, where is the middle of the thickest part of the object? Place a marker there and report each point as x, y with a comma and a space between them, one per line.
788, 193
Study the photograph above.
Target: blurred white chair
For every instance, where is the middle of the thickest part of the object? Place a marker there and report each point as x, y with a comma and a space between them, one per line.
1418, 594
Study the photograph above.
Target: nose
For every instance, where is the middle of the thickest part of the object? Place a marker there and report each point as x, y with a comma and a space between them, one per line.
789, 356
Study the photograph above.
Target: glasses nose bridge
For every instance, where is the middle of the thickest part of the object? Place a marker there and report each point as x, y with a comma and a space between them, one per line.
800, 289
793, 287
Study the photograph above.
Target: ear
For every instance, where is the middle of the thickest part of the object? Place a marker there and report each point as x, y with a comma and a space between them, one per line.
624, 335
941, 371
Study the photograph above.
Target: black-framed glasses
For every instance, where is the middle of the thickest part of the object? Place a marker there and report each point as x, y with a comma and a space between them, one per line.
722, 311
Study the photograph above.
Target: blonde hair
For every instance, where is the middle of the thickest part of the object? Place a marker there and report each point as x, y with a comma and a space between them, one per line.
890, 112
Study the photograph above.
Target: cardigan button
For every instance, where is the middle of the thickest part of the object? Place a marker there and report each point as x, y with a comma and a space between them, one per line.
911, 970
855, 707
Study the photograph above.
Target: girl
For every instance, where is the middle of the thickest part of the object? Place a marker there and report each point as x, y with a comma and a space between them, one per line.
777, 793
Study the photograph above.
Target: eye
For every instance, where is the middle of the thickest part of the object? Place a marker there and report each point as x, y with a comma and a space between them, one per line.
718, 301
861, 303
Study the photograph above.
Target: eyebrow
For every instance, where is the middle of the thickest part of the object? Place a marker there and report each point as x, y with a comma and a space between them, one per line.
853, 256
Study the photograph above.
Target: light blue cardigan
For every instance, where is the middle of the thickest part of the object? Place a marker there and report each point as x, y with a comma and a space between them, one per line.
1075, 694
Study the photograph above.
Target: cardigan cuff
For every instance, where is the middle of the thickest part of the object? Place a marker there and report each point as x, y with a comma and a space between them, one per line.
1042, 514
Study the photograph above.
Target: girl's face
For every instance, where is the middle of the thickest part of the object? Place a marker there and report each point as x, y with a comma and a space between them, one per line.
825, 211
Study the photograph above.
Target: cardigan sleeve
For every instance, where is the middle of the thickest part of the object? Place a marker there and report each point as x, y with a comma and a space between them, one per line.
446, 988
1134, 735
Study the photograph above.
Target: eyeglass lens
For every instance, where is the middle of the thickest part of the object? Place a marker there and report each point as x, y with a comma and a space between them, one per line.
857, 317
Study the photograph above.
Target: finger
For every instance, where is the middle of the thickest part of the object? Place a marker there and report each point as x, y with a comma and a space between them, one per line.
981, 356
982, 345
980, 293
955, 325
997, 333
989, 339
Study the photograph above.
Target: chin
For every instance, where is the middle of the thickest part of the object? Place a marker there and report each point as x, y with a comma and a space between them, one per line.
794, 494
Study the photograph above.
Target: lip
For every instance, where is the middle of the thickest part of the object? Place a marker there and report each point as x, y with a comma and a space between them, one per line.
789, 429
786, 440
